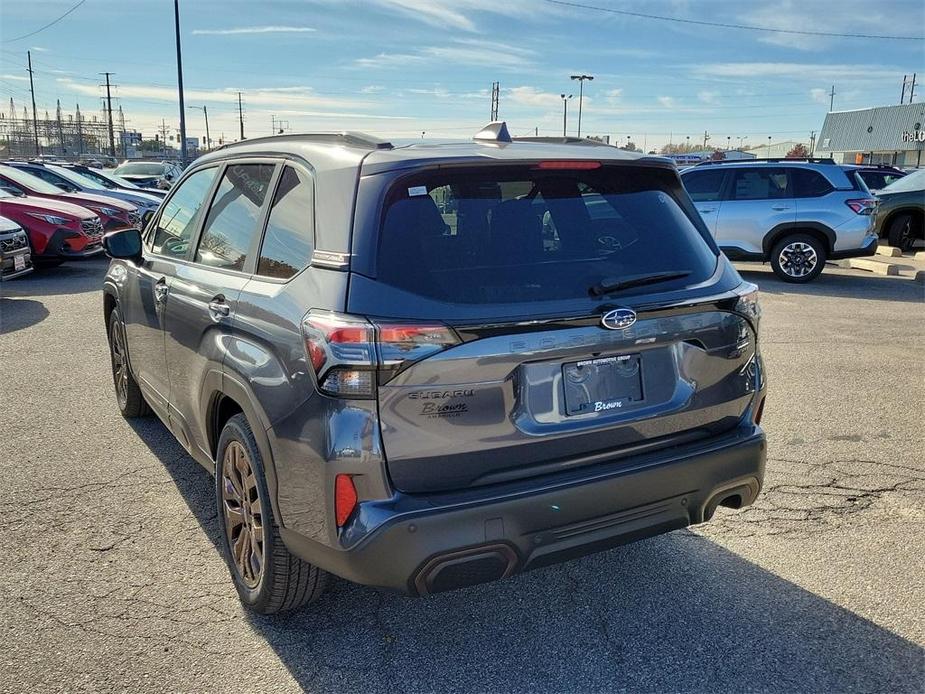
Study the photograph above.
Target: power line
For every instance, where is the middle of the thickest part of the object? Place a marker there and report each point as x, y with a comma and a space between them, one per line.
746, 27
50, 24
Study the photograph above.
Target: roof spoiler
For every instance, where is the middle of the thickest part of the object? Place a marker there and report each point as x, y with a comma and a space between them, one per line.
349, 138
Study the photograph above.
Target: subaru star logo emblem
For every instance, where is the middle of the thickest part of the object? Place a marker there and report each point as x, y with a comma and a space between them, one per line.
619, 318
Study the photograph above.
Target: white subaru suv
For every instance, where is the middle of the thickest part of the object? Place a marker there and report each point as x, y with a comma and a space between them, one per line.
793, 213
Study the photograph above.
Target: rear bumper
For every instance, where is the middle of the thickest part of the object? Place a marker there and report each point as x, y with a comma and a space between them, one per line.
451, 540
869, 247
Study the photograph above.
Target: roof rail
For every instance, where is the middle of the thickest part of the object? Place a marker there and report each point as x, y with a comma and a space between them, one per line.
350, 138
811, 160
562, 141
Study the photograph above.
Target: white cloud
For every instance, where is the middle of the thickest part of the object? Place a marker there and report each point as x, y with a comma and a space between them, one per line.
820, 96
39, 49
531, 96
707, 97
460, 52
372, 89
797, 71
18, 78
253, 30
666, 101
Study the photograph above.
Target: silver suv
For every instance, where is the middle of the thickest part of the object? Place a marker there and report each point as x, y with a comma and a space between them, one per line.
794, 213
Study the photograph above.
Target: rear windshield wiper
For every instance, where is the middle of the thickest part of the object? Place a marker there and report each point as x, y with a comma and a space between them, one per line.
608, 286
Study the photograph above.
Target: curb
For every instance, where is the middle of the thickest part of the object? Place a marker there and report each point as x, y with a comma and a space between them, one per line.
891, 252
920, 276
874, 266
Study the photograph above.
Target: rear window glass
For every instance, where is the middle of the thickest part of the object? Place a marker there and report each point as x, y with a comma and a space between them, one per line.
523, 234
809, 184
704, 186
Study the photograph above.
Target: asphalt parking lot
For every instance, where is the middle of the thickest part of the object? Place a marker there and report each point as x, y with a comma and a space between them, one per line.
112, 580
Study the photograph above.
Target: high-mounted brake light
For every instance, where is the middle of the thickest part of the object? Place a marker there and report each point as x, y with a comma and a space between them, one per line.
862, 206
350, 355
562, 164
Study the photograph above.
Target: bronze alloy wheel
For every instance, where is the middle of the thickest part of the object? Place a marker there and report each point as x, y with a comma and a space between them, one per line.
243, 514
119, 363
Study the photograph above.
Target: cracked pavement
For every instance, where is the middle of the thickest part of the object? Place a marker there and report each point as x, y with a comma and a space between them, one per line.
112, 580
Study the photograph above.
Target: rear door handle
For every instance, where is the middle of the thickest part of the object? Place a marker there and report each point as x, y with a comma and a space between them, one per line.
706, 210
218, 309
780, 207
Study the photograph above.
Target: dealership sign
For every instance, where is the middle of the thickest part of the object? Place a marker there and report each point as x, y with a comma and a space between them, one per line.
916, 135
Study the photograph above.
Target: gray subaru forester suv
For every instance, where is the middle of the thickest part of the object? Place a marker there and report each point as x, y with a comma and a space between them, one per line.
427, 366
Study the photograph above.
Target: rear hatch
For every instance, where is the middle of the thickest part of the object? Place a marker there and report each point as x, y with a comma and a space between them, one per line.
541, 316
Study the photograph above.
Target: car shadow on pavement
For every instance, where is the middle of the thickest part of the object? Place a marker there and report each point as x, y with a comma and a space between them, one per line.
16, 314
853, 286
72, 277
677, 612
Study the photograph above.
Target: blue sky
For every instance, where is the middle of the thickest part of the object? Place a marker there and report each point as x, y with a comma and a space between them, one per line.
400, 67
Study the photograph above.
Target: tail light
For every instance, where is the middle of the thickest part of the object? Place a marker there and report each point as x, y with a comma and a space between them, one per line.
351, 355
747, 303
862, 205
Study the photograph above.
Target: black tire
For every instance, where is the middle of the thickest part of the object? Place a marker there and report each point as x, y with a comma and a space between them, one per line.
128, 395
900, 233
798, 258
285, 582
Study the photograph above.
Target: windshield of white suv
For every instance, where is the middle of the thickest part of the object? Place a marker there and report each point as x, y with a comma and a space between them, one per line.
140, 169
912, 182
527, 234
76, 178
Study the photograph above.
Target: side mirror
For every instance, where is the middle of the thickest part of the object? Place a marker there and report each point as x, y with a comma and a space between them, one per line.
124, 244
65, 187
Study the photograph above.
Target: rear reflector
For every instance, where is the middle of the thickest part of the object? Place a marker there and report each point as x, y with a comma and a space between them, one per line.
759, 411
581, 165
345, 498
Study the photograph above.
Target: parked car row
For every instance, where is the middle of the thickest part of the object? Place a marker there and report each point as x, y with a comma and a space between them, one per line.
63, 210
798, 213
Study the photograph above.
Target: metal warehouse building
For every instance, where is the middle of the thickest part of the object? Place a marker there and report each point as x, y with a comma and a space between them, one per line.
882, 135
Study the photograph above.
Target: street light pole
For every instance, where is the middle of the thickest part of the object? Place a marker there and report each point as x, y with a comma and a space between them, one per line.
176, 21
565, 113
581, 90
205, 112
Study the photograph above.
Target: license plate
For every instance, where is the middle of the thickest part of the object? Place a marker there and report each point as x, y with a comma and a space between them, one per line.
607, 384
19, 262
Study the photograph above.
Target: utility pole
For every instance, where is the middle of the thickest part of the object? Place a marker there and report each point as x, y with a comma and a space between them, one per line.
240, 116
769, 146
60, 129
163, 138
581, 95
812, 143
495, 99
705, 138
80, 134
902, 95
35, 121
912, 89
565, 113
176, 21
112, 137
832, 99
122, 130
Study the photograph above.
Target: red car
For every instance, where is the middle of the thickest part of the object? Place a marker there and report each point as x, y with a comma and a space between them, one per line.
114, 214
57, 230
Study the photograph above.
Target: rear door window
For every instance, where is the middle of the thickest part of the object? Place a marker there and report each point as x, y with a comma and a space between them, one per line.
517, 234
704, 186
760, 184
233, 224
